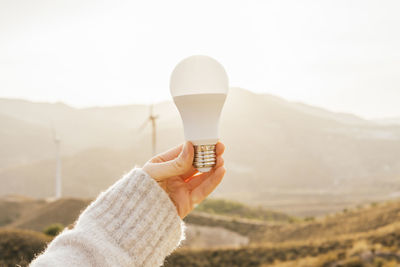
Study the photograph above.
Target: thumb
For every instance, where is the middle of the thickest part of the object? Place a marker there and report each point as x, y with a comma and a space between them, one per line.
177, 166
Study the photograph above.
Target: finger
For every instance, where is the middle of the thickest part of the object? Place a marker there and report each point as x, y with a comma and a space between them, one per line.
180, 165
168, 155
200, 192
219, 163
219, 148
193, 181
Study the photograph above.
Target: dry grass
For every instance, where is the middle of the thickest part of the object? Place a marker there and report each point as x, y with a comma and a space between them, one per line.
63, 211
351, 222
20, 246
364, 237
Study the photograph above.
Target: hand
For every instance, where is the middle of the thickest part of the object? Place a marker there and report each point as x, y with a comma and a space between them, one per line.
186, 187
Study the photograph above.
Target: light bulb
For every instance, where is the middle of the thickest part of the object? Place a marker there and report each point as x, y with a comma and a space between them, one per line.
199, 86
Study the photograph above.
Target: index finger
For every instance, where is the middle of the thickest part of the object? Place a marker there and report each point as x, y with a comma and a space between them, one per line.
168, 155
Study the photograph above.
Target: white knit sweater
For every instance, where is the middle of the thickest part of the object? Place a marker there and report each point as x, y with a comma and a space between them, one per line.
133, 223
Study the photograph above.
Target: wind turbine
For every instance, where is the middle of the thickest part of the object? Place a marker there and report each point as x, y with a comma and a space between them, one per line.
152, 119
58, 186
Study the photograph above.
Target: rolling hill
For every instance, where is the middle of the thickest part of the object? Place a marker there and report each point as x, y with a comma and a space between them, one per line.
204, 230
36, 214
367, 236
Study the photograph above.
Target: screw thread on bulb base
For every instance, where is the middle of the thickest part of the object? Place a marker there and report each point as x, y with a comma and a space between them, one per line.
204, 157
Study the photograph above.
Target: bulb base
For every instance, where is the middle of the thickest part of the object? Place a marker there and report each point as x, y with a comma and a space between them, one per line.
204, 157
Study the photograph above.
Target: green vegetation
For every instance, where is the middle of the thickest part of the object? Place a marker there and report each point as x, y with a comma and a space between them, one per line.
309, 219
239, 210
53, 229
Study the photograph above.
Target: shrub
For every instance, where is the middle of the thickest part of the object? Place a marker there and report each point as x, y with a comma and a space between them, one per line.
239, 210
53, 229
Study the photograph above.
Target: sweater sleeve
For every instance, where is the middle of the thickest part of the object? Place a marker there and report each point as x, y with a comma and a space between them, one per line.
133, 223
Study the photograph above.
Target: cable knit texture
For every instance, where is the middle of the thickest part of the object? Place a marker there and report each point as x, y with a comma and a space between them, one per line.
133, 223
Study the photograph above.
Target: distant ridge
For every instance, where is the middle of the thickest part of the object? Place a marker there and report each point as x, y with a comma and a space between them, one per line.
287, 156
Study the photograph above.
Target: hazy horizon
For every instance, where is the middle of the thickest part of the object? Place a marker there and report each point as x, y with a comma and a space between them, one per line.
341, 55
171, 100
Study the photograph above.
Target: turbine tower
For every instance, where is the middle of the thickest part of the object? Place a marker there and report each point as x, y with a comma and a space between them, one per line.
58, 185
152, 119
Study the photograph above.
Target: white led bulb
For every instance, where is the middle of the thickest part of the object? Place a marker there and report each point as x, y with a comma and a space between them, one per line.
199, 86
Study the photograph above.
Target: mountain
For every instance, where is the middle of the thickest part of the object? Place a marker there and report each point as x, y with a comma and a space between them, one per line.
22, 142
388, 121
283, 155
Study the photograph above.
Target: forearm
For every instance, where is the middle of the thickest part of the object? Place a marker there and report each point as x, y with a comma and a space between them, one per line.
133, 223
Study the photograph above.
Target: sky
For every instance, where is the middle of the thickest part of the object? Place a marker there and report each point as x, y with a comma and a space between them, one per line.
343, 55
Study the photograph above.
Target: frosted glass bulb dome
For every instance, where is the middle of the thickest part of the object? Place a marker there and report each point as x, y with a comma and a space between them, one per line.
199, 86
